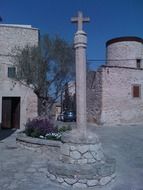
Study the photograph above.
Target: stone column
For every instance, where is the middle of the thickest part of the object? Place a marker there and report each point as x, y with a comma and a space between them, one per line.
80, 43
82, 162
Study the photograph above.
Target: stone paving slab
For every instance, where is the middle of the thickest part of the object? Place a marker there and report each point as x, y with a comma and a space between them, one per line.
22, 169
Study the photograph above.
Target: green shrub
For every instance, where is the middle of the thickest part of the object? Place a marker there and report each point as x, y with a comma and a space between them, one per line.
65, 128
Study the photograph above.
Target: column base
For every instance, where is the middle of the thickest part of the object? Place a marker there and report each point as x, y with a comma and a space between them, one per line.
82, 162
77, 136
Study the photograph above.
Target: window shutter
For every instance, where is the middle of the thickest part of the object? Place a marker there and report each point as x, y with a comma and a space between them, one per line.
136, 91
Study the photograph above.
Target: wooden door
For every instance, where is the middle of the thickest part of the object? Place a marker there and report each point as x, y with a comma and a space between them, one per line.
11, 112
6, 113
16, 112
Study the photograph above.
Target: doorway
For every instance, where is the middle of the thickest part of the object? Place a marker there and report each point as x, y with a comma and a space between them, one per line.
10, 112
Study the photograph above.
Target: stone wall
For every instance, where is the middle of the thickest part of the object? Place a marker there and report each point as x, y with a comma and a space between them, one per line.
12, 36
109, 90
118, 104
28, 100
109, 96
94, 96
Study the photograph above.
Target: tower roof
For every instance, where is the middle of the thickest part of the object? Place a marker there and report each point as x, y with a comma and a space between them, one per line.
17, 26
124, 38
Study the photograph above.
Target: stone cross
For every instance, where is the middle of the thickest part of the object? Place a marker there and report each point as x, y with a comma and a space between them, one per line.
80, 20
80, 43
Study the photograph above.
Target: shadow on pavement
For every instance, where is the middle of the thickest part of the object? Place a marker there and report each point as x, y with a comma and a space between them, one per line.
4, 133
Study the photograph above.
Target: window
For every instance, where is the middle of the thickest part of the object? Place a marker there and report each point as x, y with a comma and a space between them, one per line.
138, 61
11, 72
136, 91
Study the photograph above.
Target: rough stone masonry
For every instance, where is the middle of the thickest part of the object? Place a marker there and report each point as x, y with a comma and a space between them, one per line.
12, 36
115, 90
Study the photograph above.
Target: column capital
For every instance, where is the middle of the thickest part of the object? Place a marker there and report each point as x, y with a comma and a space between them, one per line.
80, 39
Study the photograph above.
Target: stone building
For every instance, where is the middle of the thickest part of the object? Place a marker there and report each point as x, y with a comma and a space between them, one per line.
115, 90
17, 102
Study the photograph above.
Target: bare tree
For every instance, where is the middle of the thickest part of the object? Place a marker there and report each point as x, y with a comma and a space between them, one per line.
69, 100
46, 69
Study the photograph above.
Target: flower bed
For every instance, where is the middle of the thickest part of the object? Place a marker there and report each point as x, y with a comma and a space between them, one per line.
41, 135
43, 128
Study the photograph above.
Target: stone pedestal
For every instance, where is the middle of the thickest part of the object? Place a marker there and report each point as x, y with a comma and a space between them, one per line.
82, 163
77, 149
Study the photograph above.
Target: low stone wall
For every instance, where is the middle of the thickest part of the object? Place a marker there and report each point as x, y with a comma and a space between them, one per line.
48, 147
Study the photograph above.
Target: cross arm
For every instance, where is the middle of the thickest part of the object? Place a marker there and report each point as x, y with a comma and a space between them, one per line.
86, 19
74, 19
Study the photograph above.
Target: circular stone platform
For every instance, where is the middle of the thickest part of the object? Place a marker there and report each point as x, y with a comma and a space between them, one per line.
82, 175
82, 162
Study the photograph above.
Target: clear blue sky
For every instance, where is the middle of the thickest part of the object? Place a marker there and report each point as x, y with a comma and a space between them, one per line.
109, 19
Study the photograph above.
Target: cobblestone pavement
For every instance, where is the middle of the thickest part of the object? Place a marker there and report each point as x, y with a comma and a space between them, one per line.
22, 169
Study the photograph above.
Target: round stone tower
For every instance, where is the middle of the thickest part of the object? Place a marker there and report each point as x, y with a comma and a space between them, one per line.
125, 52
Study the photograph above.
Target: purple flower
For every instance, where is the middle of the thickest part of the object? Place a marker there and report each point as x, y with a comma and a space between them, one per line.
39, 126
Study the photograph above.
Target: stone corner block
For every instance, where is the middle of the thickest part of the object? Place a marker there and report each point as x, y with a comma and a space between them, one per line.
79, 185
105, 180
65, 149
70, 181
92, 183
88, 155
75, 155
83, 148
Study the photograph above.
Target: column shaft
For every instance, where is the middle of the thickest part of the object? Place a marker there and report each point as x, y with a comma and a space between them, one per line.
81, 88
